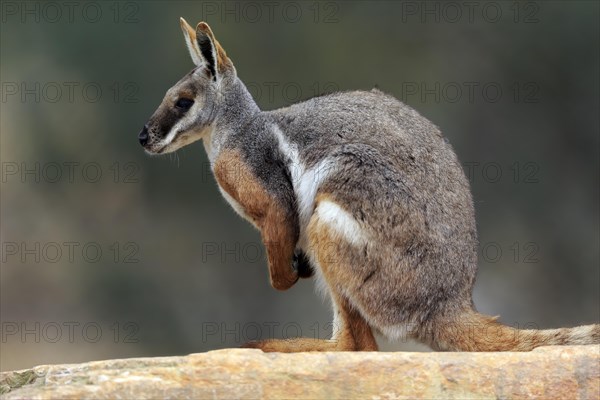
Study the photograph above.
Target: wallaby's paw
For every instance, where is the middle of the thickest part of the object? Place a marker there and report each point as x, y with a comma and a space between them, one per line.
301, 265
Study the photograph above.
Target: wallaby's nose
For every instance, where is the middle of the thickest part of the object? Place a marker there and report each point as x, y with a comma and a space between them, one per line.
143, 136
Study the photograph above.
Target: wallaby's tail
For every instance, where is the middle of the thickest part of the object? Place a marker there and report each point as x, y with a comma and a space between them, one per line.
476, 332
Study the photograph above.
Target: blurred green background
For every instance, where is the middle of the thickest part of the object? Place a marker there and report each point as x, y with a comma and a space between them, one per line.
110, 253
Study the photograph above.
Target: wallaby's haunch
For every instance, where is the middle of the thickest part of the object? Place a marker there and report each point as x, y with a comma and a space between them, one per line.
358, 188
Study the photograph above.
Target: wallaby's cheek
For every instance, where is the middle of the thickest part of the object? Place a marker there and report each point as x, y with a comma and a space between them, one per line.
165, 122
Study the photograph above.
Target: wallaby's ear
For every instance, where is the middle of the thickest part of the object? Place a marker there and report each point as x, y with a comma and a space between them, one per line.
190, 40
205, 50
213, 54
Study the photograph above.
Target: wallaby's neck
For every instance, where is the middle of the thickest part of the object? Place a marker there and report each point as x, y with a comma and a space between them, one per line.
238, 109
238, 106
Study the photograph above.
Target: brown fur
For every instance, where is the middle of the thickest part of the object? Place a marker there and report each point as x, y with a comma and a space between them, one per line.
464, 331
351, 330
235, 178
354, 335
472, 331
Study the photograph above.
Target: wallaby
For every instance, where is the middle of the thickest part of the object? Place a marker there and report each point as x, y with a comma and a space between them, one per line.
355, 187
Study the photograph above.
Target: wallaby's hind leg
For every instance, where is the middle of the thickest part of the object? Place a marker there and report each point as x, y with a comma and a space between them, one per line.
351, 332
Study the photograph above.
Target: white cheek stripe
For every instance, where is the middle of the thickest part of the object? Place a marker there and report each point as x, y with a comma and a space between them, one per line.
185, 121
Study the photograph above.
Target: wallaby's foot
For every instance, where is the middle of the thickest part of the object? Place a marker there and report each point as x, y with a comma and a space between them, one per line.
351, 332
294, 345
297, 345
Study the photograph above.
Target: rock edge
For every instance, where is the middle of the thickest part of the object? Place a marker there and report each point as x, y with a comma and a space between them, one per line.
547, 372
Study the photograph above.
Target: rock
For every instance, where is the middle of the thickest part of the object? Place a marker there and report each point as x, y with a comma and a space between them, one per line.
547, 372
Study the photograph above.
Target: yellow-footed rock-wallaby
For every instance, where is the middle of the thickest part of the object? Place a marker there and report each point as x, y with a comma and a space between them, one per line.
356, 188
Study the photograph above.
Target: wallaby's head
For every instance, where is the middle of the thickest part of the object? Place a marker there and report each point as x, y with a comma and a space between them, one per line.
190, 106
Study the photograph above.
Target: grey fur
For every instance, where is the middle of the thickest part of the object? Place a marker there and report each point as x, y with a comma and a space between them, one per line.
397, 175
393, 172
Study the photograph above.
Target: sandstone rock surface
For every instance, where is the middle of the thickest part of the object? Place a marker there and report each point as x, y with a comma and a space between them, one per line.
548, 373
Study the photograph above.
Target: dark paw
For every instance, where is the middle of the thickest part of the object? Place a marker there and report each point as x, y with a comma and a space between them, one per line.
301, 264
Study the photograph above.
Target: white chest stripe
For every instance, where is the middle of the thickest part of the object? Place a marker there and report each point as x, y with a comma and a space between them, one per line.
306, 181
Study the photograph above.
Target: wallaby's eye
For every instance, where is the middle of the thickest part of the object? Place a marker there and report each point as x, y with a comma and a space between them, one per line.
184, 104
